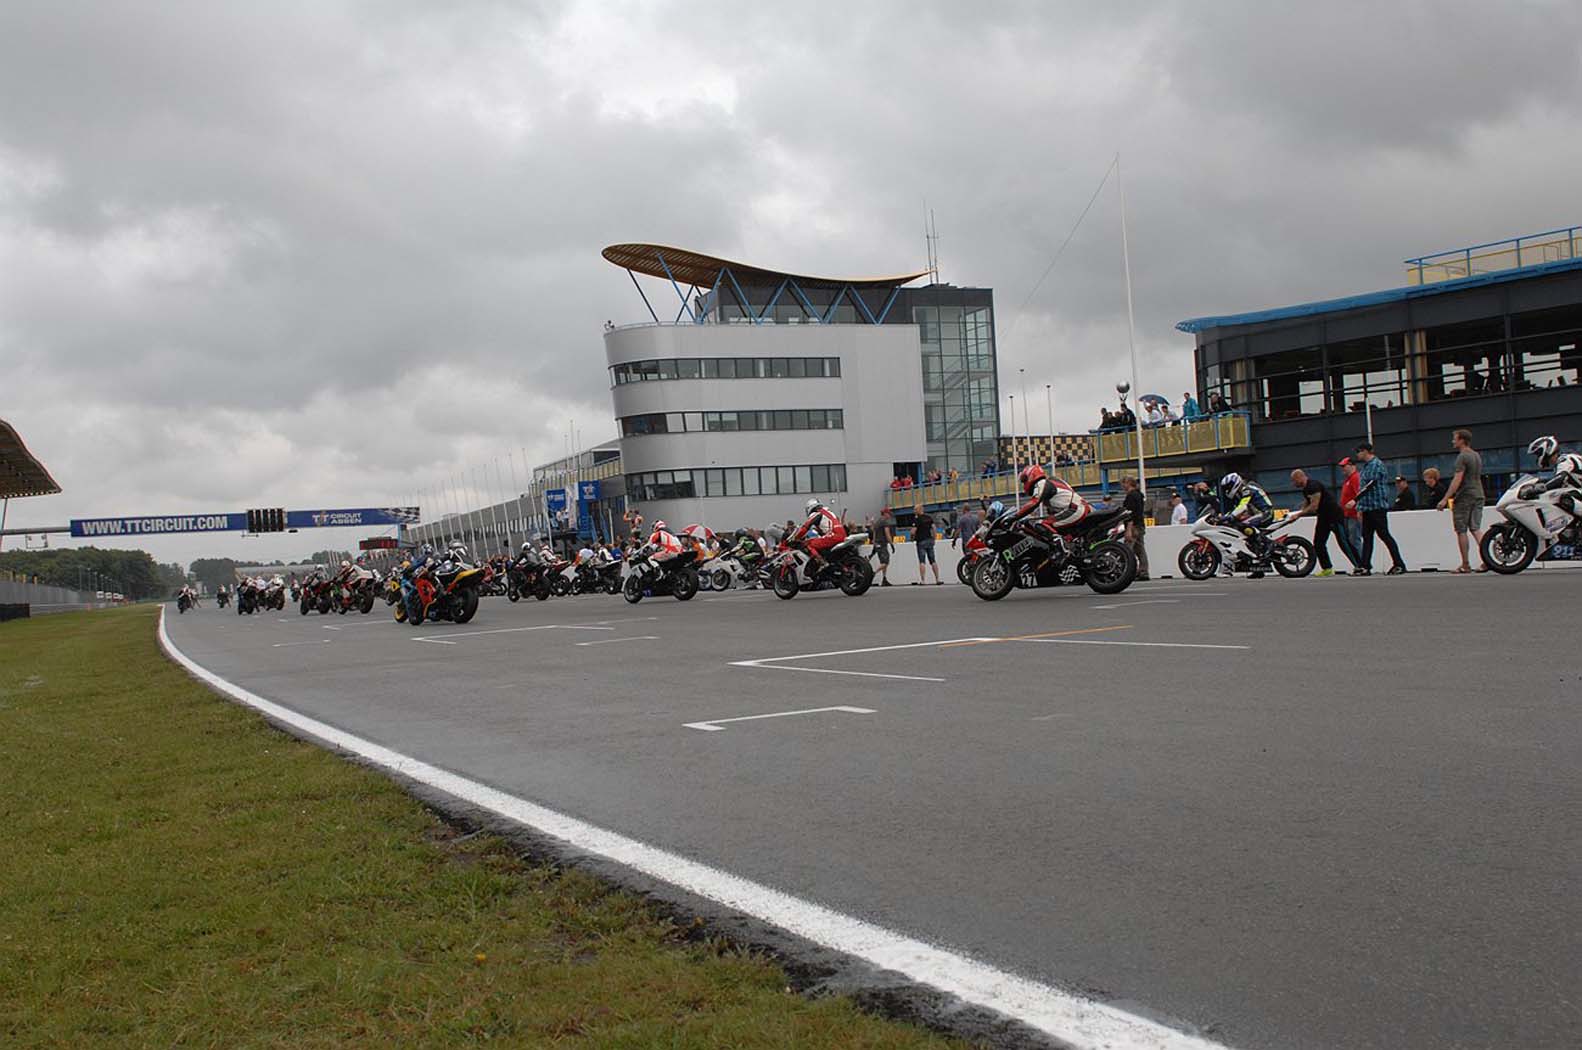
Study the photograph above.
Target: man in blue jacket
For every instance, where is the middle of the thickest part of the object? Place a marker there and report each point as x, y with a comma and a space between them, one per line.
1374, 507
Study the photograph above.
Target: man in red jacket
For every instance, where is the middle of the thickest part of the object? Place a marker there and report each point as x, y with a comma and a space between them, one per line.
1348, 505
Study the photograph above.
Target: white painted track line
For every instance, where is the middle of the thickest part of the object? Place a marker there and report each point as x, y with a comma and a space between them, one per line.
1146, 645
616, 641
718, 724
287, 645
1081, 1022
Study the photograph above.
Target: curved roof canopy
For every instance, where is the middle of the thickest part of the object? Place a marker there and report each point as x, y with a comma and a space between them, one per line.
696, 268
20, 473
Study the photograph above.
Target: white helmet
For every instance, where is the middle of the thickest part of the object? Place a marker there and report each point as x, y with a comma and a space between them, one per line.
1570, 465
660, 526
1231, 482
813, 504
1544, 448
346, 563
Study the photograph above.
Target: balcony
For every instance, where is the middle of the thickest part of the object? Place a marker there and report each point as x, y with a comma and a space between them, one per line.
1532, 250
1225, 432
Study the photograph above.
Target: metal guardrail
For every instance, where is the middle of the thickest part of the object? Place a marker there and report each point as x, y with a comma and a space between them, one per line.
1531, 250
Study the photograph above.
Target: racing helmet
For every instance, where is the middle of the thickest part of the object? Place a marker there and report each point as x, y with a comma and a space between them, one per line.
1570, 465
660, 526
812, 504
1032, 474
741, 534
1231, 483
1544, 448
346, 563
428, 550
996, 509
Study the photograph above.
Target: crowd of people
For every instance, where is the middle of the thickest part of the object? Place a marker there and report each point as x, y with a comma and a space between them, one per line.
1157, 412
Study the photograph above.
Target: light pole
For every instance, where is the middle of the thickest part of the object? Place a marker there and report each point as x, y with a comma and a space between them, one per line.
1014, 462
1049, 407
1131, 324
1027, 427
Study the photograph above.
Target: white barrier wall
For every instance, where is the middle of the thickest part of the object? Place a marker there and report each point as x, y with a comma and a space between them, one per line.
1426, 539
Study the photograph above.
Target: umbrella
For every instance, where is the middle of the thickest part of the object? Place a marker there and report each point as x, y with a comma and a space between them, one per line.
1154, 397
701, 533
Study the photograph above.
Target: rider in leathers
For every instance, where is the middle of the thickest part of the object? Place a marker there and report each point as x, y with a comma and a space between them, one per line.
1250, 506
1061, 504
823, 529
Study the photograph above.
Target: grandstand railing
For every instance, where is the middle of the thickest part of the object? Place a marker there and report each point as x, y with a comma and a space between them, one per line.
1531, 250
1223, 432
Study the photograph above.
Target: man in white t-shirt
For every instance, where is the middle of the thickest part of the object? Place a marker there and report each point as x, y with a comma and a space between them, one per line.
1178, 511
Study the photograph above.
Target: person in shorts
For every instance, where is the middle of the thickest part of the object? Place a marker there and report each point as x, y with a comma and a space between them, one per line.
923, 537
883, 538
1465, 496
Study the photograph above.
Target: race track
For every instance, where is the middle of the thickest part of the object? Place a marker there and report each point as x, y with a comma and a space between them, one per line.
1283, 814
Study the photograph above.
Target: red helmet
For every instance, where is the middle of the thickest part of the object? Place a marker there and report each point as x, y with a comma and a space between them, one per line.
1032, 474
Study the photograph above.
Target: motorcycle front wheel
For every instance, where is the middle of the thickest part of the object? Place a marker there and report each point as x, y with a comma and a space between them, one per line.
1198, 560
1294, 557
721, 580
632, 591
559, 586
786, 584
414, 611
1111, 567
1508, 549
992, 579
964, 569
513, 595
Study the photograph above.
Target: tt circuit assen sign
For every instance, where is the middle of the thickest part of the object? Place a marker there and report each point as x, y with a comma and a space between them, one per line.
159, 524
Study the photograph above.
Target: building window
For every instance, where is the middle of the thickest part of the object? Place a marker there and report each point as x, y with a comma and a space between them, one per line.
726, 368
803, 479
723, 422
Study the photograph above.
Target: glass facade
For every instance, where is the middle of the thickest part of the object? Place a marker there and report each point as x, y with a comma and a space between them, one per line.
748, 419
726, 368
960, 384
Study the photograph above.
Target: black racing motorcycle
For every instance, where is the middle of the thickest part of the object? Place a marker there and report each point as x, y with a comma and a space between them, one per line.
676, 576
1024, 554
526, 577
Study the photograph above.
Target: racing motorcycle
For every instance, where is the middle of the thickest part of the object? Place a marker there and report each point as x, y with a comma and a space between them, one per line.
727, 570
314, 593
1028, 554
790, 567
1537, 525
650, 578
1218, 540
973, 550
527, 576
246, 599
447, 591
274, 596
357, 595
223, 599
183, 603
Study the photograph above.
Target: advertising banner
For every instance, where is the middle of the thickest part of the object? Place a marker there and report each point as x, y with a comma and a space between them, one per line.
158, 524
588, 491
360, 517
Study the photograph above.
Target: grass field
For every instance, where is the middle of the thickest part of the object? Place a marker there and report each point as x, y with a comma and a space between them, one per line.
178, 873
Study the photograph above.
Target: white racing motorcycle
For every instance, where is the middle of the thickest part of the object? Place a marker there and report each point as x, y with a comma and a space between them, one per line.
1536, 523
1214, 544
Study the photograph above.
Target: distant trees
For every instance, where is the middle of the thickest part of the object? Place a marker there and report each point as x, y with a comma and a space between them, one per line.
133, 573
214, 572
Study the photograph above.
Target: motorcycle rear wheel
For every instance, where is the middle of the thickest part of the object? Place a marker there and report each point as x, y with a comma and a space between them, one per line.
559, 586
1508, 549
856, 576
541, 592
1111, 567
1198, 560
1294, 557
786, 584
612, 585
992, 579
685, 586
632, 590
721, 580
513, 595
466, 604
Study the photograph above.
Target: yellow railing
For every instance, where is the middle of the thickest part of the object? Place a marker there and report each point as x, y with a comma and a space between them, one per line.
1552, 246
1228, 430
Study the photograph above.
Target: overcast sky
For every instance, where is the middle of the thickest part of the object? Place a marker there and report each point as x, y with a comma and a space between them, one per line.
326, 254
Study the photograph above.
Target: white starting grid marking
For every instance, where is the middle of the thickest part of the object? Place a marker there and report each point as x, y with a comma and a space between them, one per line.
287, 645
437, 640
1073, 1019
718, 724
1146, 645
615, 641
775, 663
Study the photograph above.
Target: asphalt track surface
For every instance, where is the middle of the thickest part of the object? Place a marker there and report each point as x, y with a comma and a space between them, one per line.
1360, 827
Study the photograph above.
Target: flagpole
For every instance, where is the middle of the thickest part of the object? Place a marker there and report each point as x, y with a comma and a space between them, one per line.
1131, 330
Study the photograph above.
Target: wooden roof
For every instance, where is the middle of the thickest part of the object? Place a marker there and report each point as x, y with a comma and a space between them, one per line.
696, 268
20, 473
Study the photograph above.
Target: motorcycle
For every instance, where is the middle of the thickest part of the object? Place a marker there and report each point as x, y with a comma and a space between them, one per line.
183, 603
223, 599
447, 591
246, 600
844, 566
676, 576
356, 594
1214, 543
1027, 554
727, 569
1537, 525
973, 550
274, 596
527, 577
315, 592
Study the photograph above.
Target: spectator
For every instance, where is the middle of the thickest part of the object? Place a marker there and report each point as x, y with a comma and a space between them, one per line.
1106, 418
906, 481
1153, 416
895, 483
1434, 488
1465, 498
1217, 402
923, 540
1348, 504
1170, 415
1404, 499
1136, 527
1125, 417
1189, 409
1374, 505
882, 536
967, 522
1320, 504
1203, 496
955, 475
1178, 511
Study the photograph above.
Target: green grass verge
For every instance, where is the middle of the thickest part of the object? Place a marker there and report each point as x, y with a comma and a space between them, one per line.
178, 873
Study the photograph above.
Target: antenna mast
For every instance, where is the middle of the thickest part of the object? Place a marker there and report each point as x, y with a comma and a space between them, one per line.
931, 238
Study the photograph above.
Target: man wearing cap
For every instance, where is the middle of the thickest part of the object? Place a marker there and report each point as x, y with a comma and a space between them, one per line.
1348, 506
1404, 497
